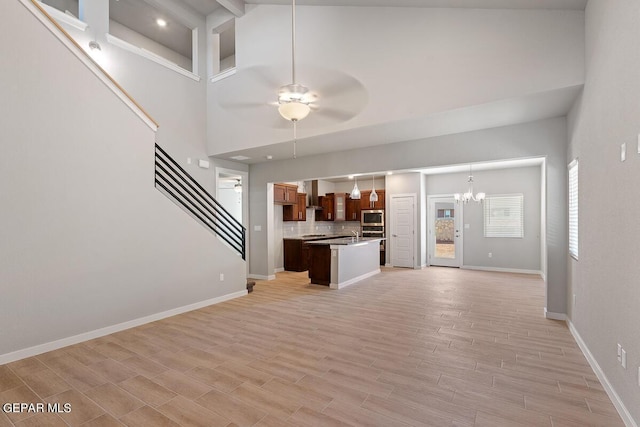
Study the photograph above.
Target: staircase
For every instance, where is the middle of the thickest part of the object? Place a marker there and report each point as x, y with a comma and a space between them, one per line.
185, 191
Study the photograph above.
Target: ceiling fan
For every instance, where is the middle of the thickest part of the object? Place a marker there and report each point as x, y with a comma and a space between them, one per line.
336, 96
294, 98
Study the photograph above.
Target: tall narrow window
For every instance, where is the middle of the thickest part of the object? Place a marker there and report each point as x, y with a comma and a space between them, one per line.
573, 209
504, 216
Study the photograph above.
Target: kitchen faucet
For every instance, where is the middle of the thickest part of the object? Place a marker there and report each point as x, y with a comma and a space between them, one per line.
356, 234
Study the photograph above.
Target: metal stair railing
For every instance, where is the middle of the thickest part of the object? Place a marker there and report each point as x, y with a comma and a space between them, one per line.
188, 193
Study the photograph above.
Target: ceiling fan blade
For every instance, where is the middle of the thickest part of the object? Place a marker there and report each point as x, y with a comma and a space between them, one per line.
335, 114
241, 105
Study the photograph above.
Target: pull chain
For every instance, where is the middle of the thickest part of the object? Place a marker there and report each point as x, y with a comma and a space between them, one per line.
295, 138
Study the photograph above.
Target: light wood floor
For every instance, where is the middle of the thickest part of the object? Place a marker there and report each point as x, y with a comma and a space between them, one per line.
442, 347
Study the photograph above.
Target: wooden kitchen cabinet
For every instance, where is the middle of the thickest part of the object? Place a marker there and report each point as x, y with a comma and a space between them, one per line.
365, 203
340, 206
334, 207
296, 255
353, 209
285, 194
298, 211
327, 211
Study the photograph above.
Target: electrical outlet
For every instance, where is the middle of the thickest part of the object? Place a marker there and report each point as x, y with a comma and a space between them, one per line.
222, 277
623, 362
490, 255
623, 152
188, 160
619, 353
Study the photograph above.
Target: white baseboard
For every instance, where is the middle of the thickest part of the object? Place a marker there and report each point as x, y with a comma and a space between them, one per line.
554, 316
261, 277
354, 280
617, 402
278, 270
502, 270
86, 336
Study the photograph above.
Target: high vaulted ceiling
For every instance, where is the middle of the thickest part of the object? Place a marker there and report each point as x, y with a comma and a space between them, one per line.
411, 75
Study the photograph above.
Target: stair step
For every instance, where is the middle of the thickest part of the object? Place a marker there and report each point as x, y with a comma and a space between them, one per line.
250, 285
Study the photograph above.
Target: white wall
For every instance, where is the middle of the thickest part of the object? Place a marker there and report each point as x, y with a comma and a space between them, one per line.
605, 278
444, 58
509, 253
87, 241
543, 138
175, 101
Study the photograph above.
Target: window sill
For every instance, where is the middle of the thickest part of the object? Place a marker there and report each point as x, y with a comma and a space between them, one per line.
64, 18
151, 56
223, 75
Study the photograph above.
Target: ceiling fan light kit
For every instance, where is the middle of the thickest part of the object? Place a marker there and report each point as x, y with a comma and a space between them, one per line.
293, 106
294, 110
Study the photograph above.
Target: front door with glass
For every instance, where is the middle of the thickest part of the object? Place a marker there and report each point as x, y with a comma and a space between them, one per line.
445, 234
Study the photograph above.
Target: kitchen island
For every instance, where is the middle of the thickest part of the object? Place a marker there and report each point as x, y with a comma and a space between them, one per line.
342, 262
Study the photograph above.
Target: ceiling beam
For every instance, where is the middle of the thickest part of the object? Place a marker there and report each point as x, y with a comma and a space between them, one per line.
234, 6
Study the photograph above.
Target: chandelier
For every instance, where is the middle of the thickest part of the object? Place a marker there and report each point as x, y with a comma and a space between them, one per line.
468, 196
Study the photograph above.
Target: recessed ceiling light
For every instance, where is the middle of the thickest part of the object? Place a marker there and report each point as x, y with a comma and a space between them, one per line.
161, 22
389, 173
269, 157
240, 158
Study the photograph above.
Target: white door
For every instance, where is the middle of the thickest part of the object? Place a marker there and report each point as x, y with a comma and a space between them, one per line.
402, 231
445, 234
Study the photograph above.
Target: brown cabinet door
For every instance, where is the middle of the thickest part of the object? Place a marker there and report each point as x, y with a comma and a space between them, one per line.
364, 199
279, 193
326, 214
297, 211
302, 206
284, 194
291, 194
353, 209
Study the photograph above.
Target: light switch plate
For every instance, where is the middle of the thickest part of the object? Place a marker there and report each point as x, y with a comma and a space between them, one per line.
619, 353
257, 228
204, 164
623, 152
624, 359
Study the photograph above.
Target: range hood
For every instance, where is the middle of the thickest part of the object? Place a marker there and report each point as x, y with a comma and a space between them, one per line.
312, 196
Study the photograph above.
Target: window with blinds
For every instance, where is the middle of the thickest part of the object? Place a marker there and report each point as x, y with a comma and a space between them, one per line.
573, 209
504, 216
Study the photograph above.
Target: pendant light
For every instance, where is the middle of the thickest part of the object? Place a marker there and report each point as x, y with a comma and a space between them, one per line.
373, 197
355, 193
468, 196
238, 187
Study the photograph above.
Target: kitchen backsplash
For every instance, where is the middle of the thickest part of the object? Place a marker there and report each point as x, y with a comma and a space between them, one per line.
311, 226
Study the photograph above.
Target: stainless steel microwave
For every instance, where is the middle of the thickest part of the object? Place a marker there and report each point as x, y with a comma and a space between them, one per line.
372, 217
